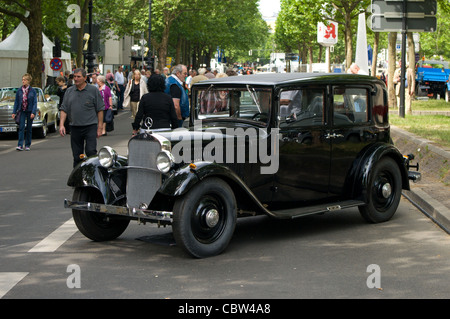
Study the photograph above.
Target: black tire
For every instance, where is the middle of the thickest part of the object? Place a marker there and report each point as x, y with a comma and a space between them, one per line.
54, 127
42, 131
96, 226
205, 218
384, 192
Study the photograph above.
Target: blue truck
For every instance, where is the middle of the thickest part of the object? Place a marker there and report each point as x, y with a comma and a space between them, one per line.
432, 79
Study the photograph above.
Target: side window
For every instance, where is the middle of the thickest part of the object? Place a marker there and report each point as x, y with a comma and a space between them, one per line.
350, 105
301, 107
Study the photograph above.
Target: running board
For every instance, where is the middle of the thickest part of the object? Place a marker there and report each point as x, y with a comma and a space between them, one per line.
310, 210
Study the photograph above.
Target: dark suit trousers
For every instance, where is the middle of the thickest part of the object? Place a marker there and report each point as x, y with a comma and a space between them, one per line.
83, 140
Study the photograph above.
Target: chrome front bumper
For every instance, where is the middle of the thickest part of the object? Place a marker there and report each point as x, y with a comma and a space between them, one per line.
144, 214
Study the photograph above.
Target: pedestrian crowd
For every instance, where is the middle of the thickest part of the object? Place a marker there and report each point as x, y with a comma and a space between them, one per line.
158, 100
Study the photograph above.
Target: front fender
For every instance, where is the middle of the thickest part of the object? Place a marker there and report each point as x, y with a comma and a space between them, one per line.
184, 178
90, 174
359, 175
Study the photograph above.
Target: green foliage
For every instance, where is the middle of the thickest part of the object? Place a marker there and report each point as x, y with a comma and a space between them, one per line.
235, 26
297, 24
436, 43
297, 21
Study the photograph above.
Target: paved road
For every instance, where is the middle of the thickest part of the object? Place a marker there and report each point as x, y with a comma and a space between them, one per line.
337, 255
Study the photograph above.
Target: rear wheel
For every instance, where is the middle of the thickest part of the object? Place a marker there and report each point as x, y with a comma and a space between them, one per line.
96, 226
205, 218
384, 192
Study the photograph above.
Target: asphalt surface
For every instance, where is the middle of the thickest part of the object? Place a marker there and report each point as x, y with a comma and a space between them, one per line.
319, 257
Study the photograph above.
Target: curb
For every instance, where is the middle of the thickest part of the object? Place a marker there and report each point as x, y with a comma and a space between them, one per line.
421, 142
432, 208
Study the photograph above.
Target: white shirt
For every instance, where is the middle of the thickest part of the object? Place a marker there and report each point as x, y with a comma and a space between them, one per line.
119, 78
188, 81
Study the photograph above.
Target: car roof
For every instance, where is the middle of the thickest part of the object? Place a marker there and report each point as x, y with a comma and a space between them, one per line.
286, 79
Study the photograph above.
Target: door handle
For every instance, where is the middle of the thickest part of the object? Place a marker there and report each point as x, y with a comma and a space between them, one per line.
334, 135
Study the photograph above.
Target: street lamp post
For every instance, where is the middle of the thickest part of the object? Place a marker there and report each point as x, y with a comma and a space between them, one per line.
90, 55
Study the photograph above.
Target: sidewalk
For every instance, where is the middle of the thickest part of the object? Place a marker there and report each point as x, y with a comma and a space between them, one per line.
432, 194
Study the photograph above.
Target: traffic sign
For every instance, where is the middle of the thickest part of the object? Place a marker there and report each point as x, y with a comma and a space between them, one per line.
387, 15
380, 7
56, 64
384, 24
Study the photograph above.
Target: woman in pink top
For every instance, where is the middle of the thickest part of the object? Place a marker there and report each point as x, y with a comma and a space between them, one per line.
105, 92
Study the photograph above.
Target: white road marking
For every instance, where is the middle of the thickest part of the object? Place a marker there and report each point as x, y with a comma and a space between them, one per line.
13, 147
8, 280
53, 241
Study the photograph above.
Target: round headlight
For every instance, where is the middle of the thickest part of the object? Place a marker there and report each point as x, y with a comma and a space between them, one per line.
107, 156
164, 161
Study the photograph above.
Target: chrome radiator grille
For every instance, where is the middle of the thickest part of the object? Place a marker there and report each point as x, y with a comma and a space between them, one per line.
142, 184
5, 115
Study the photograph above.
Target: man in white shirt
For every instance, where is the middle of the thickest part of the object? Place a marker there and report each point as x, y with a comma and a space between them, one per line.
119, 79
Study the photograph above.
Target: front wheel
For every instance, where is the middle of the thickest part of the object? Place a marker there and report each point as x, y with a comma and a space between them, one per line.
384, 192
205, 218
96, 226
42, 131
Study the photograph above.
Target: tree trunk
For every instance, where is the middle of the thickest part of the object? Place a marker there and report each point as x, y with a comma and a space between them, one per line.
391, 68
348, 41
375, 53
162, 50
311, 60
178, 51
34, 25
319, 58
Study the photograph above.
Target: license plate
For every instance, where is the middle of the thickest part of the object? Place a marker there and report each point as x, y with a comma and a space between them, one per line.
8, 129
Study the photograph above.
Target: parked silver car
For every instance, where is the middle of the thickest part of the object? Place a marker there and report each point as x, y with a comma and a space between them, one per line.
47, 115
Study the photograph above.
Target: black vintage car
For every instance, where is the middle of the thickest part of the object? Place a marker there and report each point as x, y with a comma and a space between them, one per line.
284, 145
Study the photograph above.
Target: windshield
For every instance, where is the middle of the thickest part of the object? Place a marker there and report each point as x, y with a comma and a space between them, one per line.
8, 94
246, 103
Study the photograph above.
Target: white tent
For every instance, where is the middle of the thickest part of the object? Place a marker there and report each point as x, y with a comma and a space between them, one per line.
14, 57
